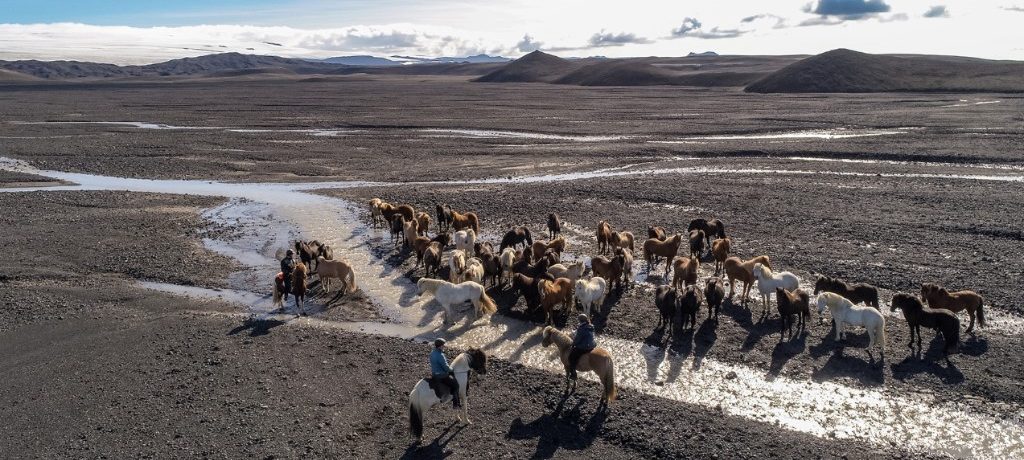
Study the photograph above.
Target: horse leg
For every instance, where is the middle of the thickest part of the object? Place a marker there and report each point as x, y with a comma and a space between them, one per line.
970, 327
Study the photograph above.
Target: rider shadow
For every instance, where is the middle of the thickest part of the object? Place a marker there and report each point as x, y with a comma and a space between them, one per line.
256, 327
562, 429
704, 339
436, 448
784, 351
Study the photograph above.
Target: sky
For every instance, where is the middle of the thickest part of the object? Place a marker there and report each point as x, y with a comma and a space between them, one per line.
145, 31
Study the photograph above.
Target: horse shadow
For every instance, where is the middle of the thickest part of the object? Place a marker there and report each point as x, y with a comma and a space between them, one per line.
704, 340
564, 428
786, 350
744, 316
599, 317
840, 365
436, 448
256, 327
930, 361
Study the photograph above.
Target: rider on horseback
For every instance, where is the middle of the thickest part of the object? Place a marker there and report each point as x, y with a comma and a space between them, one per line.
442, 373
287, 266
582, 343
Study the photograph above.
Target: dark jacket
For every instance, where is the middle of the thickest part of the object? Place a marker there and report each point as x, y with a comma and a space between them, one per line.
584, 337
287, 266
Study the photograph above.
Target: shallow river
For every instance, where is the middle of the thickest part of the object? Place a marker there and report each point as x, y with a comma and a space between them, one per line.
268, 216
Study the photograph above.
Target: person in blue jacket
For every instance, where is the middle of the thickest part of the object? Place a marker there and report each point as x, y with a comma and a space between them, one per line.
582, 343
442, 373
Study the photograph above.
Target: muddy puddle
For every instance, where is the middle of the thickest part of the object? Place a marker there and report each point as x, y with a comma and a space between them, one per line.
263, 218
810, 134
497, 134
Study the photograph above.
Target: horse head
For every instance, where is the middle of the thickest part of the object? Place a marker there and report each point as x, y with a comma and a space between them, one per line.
477, 360
546, 334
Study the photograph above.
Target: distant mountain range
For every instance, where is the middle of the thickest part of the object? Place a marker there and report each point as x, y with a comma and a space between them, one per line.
834, 71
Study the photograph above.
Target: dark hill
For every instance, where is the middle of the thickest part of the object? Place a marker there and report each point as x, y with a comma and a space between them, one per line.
846, 71
534, 67
202, 65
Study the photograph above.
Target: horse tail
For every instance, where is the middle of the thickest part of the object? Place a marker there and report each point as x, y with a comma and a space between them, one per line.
277, 295
487, 303
981, 312
352, 281
415, 417
608, 380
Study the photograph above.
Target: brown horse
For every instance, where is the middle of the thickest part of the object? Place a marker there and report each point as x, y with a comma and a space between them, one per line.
540, 248
667, 249
407, 211
419, 245
299, 276
307, 251
713, 228
553, 293
516, 237
943, 321
797, 303
697, 243
939, 297
388, 211
464, 221
740, 270
856, 292
714, 293
554, 226
409, 233
720, 248
685, 271
444, 219
657, 233
623, 240
529, 287
397, 228
604, 236
598, 361
610, 270
432, 259
422, 223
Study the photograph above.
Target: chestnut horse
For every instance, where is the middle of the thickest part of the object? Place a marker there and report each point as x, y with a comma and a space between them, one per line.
623, 240
464, 221
604, 236
299, 276
422, 223
685, 271
667, 249
553, 293
939, 297
720, 248
713, 228
741, 270
610, 270
657, 233
598, 361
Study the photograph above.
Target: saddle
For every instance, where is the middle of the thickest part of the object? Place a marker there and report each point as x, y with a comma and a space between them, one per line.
441, 390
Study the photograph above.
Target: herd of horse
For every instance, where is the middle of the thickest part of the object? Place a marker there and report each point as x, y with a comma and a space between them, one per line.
535, 270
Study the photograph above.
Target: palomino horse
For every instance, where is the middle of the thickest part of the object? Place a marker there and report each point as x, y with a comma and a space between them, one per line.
654, 247
767, 281
943, 321
598, 361
375, 216
327, 270
573, 271
422, 223
554, 226
604, 236
449, 294
422, 397
299, 276
938, 297
845, 312
856, 292
797, 303
507, 258
409, 233
456, 265
516, 237
464, 221
742, 270
475, 270
590, 293
407, 211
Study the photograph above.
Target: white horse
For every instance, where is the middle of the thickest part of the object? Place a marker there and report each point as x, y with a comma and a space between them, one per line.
456, 265
767, 281
422, 398
591, 293
573, 272
464, 240
474, 270
507, 260
448, 294
845, 312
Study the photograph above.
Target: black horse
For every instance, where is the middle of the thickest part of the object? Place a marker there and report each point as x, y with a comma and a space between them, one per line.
515, 237
917, 315
554, 226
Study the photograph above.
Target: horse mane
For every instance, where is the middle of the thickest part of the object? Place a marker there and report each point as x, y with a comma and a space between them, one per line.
429, 285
